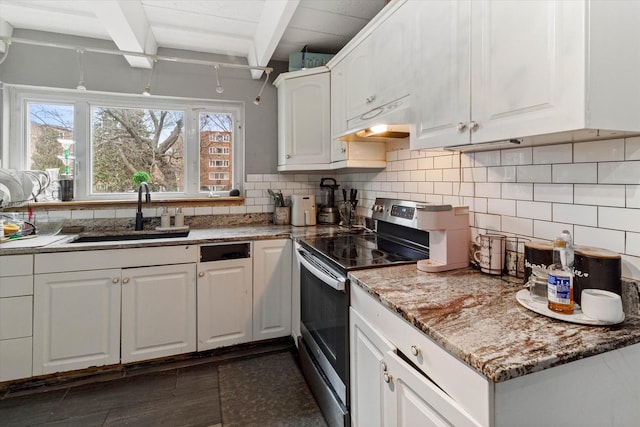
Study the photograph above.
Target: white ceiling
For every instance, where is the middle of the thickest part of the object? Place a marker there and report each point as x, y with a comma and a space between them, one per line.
258, 30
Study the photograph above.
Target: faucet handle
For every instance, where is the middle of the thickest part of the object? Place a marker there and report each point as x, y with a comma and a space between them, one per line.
147, 198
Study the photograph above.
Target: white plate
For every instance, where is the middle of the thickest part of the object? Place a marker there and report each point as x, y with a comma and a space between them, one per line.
524, 298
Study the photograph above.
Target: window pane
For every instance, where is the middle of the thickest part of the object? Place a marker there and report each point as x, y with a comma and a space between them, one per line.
216, 151
50, 126
130, 145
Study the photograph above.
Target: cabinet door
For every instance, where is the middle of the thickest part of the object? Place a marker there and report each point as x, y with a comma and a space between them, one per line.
15, 358
158, 311
410, 399
304, 128
358, 67
528, 68
442, 82
271, 289
367, 367
224, 303
76, 320
338, 101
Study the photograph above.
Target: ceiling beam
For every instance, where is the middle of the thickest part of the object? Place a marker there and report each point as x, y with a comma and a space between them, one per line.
6, 30
275, 17
127, 24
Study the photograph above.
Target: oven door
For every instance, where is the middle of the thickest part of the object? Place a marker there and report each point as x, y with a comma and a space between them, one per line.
324, 323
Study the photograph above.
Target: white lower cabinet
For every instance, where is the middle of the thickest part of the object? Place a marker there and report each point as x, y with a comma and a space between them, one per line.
271, 289
16, 308
224, 303
158, 311
386, 390
76, 320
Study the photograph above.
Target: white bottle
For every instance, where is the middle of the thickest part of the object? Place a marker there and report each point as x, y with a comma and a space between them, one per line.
165, 219
179, 218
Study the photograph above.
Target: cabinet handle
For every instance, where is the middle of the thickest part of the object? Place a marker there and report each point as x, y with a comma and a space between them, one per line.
415, 350
125, 280
370, 99
201, 274
115, 279
473, 125
461, 126
288, 156
387, 377
384, 366
344, 150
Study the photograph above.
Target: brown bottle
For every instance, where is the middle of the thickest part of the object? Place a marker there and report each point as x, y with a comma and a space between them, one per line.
560, 279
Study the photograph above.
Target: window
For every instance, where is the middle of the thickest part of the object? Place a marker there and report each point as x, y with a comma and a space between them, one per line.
103, 140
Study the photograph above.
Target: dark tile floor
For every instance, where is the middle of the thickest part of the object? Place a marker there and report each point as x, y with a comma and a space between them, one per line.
259, 388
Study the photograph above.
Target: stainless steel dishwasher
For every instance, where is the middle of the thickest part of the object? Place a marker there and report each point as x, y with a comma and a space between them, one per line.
224, 290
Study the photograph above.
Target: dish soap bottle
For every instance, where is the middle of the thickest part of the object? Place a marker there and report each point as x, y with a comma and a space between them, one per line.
165, 218
179, 218
560, 276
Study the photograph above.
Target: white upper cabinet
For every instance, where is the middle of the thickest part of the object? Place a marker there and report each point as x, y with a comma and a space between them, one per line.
538, 71
376, 69
304, 122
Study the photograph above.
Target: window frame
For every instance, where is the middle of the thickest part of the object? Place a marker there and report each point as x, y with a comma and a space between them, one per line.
16, 155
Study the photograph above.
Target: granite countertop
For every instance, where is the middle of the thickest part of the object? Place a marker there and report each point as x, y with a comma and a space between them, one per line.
62, 243
477, 318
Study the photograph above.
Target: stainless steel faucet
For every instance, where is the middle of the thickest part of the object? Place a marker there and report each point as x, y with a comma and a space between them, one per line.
147, 198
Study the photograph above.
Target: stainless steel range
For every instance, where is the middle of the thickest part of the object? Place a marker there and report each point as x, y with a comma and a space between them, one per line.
324, 295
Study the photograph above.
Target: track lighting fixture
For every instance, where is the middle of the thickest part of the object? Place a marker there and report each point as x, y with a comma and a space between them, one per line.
258, 98
219, 87
147, 89
81, 85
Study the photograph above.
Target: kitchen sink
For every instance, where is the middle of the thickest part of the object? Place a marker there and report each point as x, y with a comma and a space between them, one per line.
131, 235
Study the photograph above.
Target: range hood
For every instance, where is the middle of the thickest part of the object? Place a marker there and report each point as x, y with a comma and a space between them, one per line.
388, 121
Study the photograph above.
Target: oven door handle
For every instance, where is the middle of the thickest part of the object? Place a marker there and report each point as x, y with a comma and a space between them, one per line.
337, 283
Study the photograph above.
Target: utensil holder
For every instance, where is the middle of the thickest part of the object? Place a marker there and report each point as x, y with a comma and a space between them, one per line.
282, 215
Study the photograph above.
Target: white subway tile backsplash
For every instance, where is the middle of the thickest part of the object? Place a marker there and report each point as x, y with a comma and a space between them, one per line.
105, 213
547, 230
405, 175
632, 246
224, 210
518, 226
81, 214
599, 238
442, 188
487, 158
452, 175
425, 163
392, 156
404, 154
601, 195
619, 172
575, 214
466, 189
476, 204
534, 210
254, 177
516, 156
517, 191
599, 151
632, 195
433, 175
632, 148
203, 210
425, 187
474, 174
433, 198
411, 164
501, 174
561, 193
398, 187
392, 176
467, 160
418, 175
533, 173
501, 207
487, 221
583, 173
443, 162
411, 187
619, 218
548, 154
488, 189
630, 266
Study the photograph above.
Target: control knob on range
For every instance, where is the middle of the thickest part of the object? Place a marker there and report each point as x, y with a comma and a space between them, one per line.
378, 208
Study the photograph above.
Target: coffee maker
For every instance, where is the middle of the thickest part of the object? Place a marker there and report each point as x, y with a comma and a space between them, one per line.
328, 212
